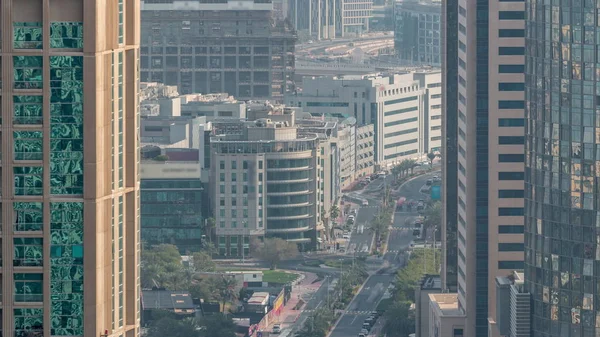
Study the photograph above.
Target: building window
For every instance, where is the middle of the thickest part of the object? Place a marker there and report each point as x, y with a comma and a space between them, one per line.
28, 180
511, 69
511, 33
511, 140
28, 252
234, 165
511, 15
27, 35
29, 322
511, 247
66, 35
222, 164
28, 145
511, 193
511, 265
511, 158
510, 211
66, 125
27, 109
28, 216
511, 175
29, 287
28, 72
511, 122
505, 86
511, 229
121, 22
511, 50
511, 104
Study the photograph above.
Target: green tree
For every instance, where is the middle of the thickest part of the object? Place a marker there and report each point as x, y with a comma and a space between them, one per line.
399, 320
334, 214
433, 215
216, 325
226, 292
275, 250
171, 326
202, 262
431, 156
421, 262
209, 225
162, 267
205, 289
317, 324
411, 164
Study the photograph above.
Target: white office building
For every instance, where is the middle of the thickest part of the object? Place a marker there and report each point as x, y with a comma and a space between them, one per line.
404, 108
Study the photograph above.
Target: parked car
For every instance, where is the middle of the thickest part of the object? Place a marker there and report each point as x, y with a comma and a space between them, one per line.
276, 328
365, 203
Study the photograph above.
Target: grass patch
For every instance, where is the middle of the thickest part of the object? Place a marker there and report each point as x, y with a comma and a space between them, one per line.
312, 263
338, 263
278, 276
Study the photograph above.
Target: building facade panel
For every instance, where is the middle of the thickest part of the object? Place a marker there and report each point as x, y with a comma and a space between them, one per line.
70, 191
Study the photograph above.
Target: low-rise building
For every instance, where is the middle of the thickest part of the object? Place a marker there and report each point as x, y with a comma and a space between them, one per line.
405, 109
157, 99
430, 284
172, 205
446, 319
513, 307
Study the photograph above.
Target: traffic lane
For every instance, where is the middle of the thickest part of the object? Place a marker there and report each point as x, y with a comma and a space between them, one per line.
412, 189
366, 300
360, 240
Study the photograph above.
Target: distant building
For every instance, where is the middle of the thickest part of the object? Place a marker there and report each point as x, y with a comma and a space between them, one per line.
430, 284
365, 150
225, 46
266, 181
446, 319
404, 108
176, 302
314, 18
514, 306
157, 99
417, 31
172, 203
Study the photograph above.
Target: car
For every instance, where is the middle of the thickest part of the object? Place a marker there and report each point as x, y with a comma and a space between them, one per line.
276, 328
365, 203
364, 331
346, 236
362, 335
353, 212
429, 182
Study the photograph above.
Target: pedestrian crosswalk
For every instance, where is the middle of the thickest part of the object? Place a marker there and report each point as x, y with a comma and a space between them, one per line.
400, 229
363, 312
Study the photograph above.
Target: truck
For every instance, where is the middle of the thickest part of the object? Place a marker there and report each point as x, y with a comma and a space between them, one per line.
400, 203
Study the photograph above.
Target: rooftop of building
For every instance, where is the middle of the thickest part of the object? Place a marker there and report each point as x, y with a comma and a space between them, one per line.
447, 303
408, 4
177, 301
153, 91
431, 282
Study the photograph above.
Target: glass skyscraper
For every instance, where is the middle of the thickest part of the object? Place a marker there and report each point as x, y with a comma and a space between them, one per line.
69, 233
562, 167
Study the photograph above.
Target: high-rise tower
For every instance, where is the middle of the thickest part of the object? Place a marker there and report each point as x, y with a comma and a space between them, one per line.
562, 161
488, 157
69, 194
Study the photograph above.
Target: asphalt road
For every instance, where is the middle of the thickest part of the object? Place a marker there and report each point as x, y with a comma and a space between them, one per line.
372, 292
316, 301
361, 238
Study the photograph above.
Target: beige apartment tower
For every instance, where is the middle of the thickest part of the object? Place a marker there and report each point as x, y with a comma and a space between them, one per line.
488, 159
69, 231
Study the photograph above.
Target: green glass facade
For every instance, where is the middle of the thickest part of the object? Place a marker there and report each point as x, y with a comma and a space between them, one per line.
66, 268
66, 125
171, 212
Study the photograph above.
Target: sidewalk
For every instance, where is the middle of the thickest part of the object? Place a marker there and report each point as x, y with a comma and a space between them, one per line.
302, 291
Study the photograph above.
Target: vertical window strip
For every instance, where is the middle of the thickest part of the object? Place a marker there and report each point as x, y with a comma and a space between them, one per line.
121, 21
120, 111
112, 116
112, 234
121, 266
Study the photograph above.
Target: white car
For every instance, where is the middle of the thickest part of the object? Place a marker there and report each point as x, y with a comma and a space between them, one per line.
365, 203
276, 328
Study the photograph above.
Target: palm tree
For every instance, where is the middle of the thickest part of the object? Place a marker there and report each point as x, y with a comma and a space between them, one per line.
396, 171
411, 163
325, 221
225, 288
431, 156
334, 213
